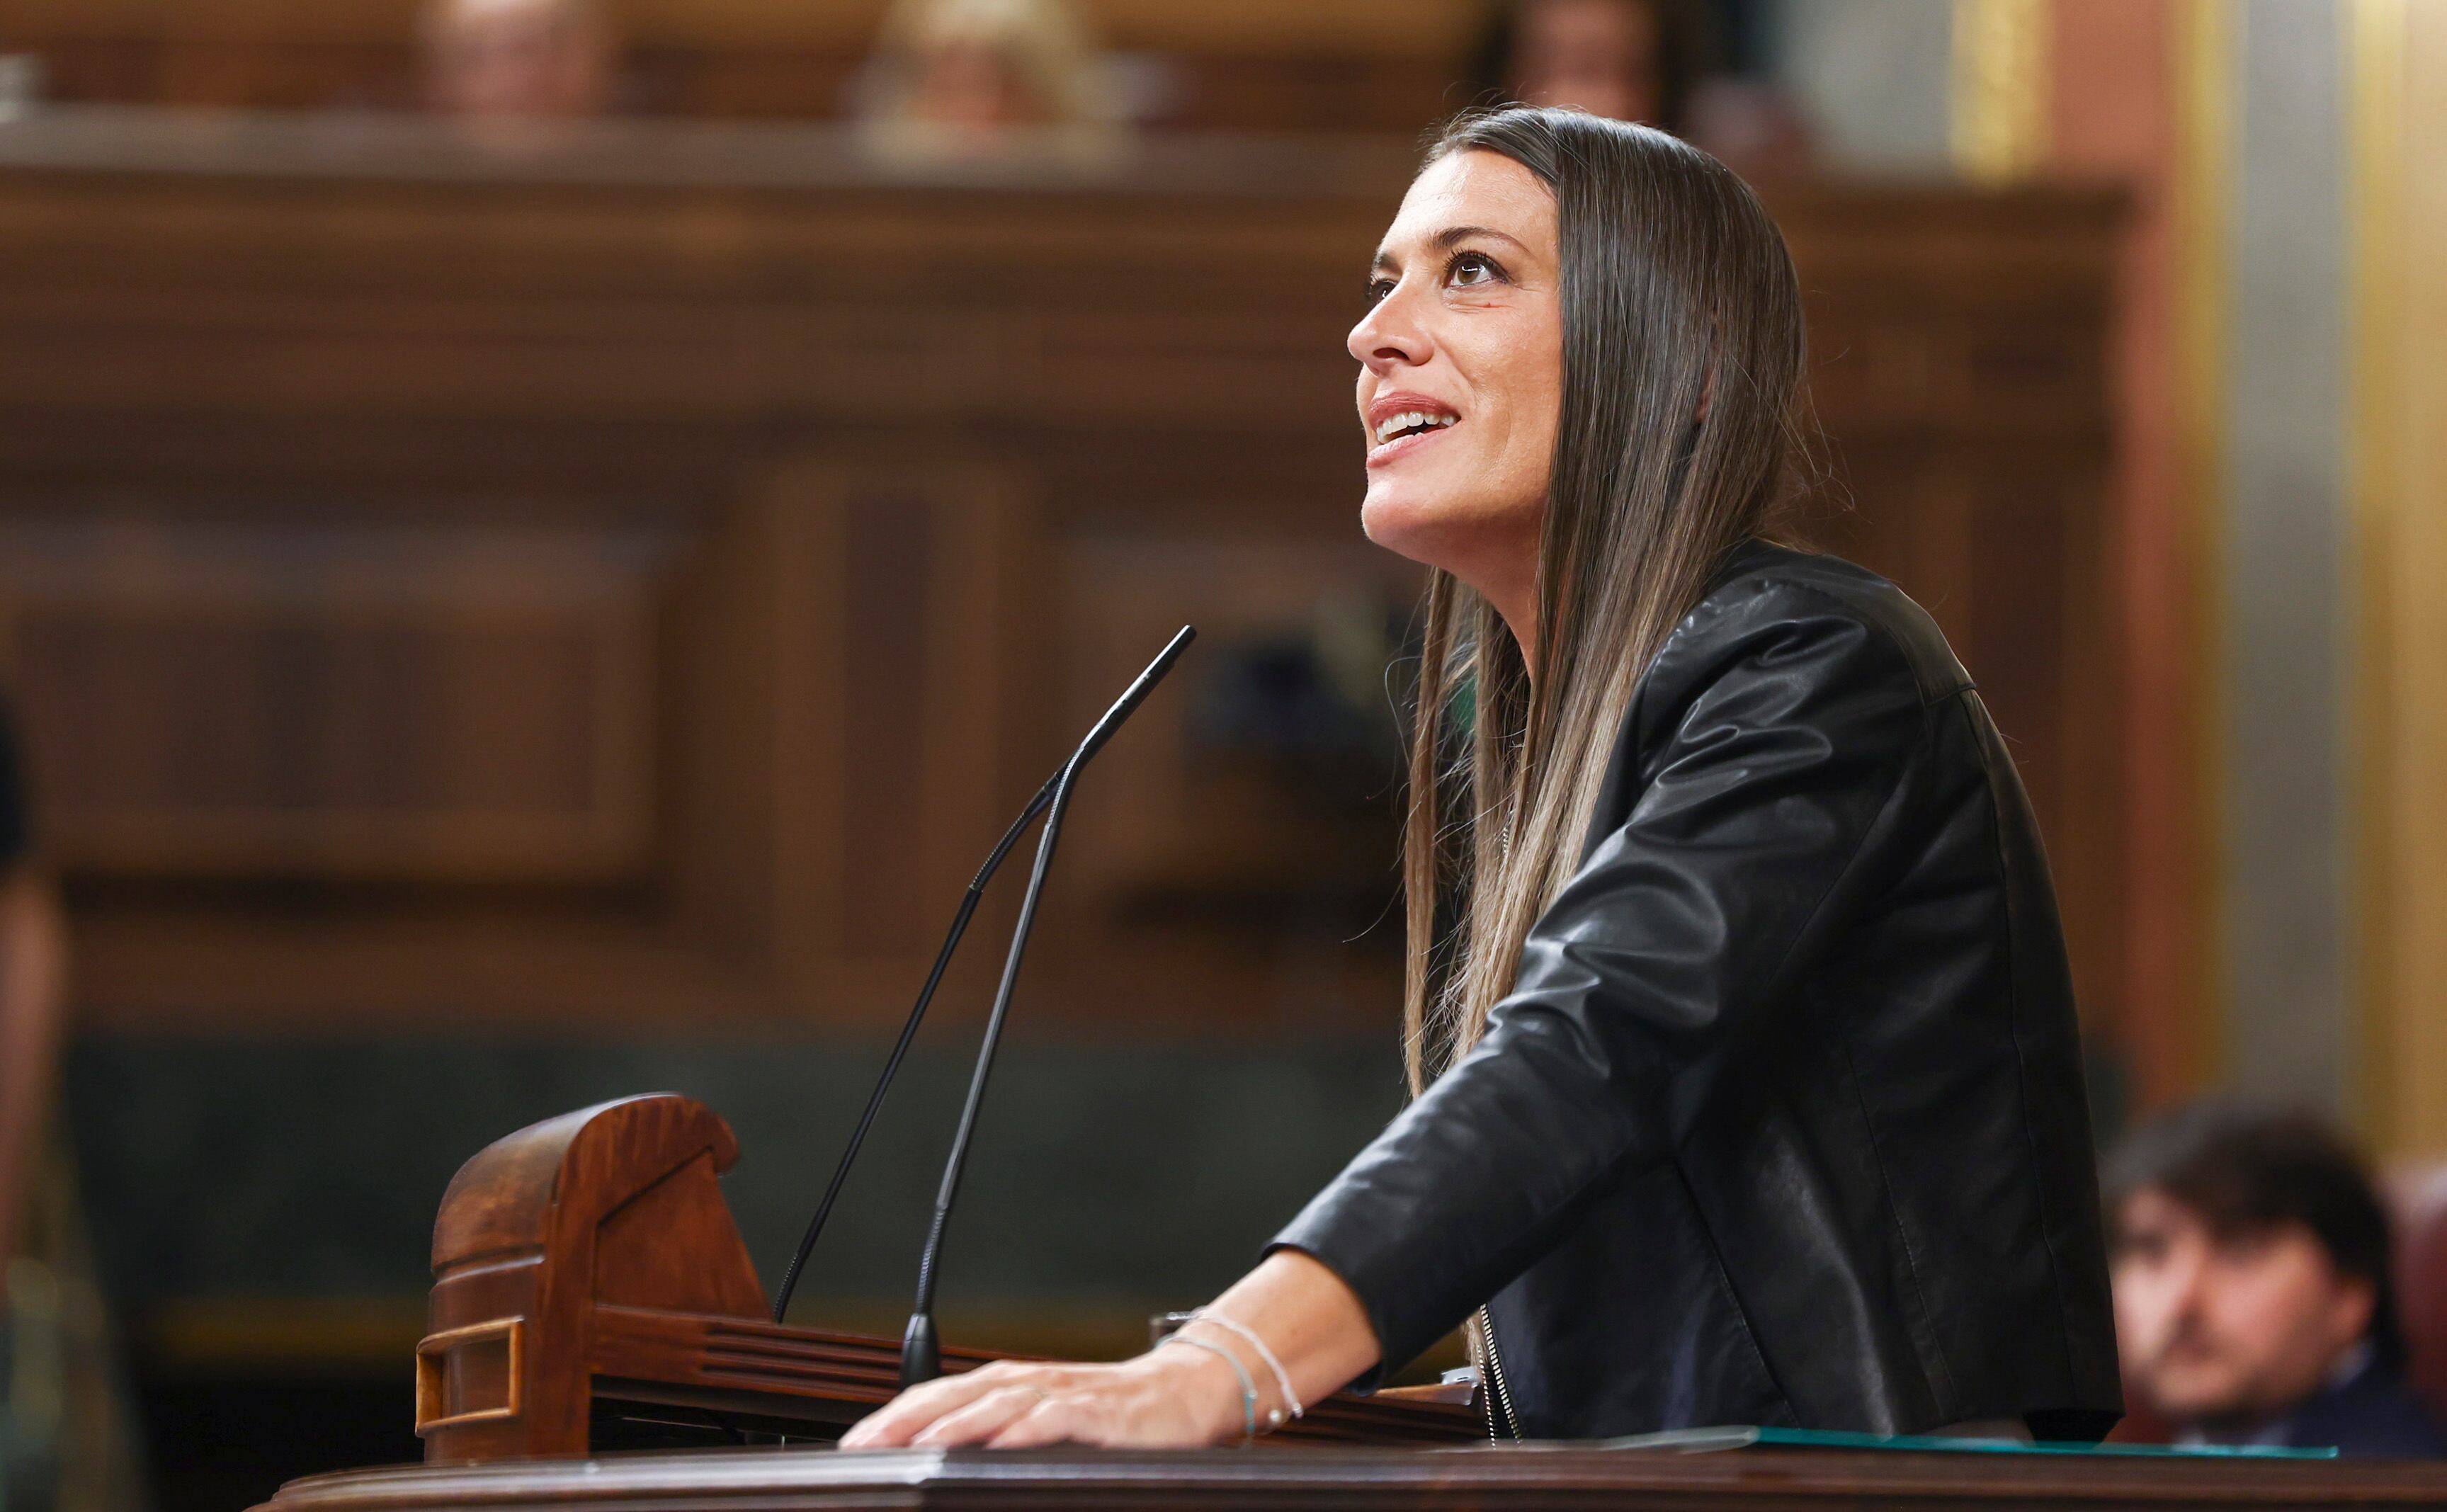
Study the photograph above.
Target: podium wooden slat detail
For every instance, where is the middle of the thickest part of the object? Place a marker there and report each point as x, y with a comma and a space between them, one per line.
590, 1260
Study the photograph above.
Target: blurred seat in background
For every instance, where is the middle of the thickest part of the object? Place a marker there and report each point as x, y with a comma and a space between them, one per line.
517, 59
2417, 1197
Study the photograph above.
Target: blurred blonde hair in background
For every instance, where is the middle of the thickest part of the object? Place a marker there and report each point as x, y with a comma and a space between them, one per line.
956, 78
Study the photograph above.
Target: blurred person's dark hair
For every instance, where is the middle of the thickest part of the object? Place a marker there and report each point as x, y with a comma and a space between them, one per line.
1670, 43
2246, 1170
509, 60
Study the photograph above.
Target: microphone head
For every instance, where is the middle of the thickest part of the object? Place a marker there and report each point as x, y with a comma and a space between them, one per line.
1134, 696
1171, 652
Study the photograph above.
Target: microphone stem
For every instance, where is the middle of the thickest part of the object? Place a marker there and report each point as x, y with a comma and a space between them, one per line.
922, 1315
908, 1033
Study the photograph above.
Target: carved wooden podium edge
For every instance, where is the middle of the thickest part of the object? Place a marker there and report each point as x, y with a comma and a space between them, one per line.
591, 1259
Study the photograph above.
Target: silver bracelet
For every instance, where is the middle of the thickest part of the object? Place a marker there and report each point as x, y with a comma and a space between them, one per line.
1248, 1387
1283, 1377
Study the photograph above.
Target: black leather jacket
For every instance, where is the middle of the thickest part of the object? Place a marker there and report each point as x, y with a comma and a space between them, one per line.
1783, 1122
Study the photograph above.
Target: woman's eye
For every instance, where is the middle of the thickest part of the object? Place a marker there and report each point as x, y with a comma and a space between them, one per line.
1471, 268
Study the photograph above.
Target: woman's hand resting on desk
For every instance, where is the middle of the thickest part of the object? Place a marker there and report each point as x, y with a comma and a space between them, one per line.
1164, 1399
1182, 1396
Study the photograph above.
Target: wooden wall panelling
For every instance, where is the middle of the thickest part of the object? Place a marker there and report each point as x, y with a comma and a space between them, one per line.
336, 703
470, 916
630, 308
1226, 885
818, 676
1169, 819
1962, 378
719, 730
893, 645
2003, 548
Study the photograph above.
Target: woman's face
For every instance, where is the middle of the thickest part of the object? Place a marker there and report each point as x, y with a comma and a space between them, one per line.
1461, 375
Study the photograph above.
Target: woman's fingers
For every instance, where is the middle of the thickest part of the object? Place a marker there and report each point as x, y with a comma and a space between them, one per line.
898, 1423
894, 1423
981, 1420
1008, 1405
891, 1425
1054, 1420
1119, 1408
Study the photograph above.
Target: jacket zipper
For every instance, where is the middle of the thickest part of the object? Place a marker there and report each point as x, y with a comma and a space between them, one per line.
1501, 1395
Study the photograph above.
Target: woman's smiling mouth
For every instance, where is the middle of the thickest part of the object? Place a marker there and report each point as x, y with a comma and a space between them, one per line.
1398, 421
1410, 423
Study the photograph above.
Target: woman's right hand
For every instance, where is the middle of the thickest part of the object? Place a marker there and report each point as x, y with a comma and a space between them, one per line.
1175, 1398
1179, 1396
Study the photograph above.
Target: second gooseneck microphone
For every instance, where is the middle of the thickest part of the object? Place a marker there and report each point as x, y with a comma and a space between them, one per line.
900, 1047
921, 1352
1055, 795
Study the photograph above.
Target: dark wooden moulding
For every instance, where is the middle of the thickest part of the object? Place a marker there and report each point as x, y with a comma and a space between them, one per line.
591, 1260
1361, 1479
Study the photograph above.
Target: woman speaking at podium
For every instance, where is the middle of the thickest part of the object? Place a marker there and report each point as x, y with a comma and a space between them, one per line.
1743, 1045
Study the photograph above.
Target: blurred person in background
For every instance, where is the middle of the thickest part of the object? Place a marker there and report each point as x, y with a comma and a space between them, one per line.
517, 60
1645, 61
66, 1443
952, 78
32, 956
1630, 60
2254, 1296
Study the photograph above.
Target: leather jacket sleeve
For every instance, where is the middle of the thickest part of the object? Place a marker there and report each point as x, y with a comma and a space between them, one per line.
1766, 747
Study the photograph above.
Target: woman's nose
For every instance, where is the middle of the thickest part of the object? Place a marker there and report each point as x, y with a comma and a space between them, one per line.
1386, 338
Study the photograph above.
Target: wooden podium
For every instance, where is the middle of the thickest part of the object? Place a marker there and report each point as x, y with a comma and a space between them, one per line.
588, 1267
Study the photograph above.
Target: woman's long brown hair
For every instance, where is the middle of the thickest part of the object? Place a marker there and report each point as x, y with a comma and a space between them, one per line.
1683, 361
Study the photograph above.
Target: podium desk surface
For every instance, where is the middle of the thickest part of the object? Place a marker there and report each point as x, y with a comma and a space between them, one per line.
1352, 1480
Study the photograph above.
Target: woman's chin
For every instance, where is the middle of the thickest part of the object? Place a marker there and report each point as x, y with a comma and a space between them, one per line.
1407, 526
1389, 519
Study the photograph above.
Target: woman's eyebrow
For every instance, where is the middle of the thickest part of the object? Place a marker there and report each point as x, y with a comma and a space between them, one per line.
1454, 236
1447, 240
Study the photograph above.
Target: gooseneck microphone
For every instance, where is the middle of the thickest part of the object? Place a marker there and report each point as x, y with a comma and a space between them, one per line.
1045, 797
921, 1352
908, 1033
